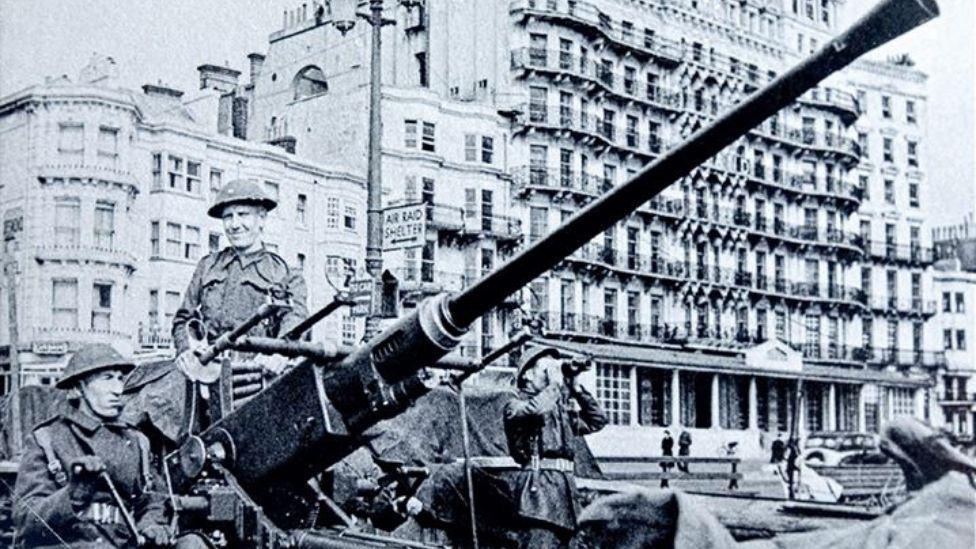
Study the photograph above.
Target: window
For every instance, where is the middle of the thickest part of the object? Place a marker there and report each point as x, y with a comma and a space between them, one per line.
216, 177
332, 212
64, 303
213, 243
348, 330
889, 191
862, 101
947, 339
913, 201
154, 310
108, 145
423, 78
271, 189
613, 392
154, 239
349, 219
300, 208
191, 243
104, 224
889, 149
912, 154
427, 139
410, 134
862, 144
487, 149
910, 115
902, 401
157, 171
176, 172
867, 333
67, 221
886, 106
470, 147
538, 222
71, 140
960, 303
174, 240
300, 261
173, 301
892, 334
101, 314
946, 302
566, 167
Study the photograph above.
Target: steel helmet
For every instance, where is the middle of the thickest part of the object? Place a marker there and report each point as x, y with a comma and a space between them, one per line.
240, 191
532, 356
91, 358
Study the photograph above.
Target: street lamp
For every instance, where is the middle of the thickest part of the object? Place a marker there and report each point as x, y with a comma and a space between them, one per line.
344, 16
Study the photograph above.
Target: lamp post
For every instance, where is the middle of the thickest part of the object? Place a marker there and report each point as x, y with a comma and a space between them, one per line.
344, 19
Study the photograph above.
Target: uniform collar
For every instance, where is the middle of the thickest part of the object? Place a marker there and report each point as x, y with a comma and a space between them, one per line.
229, 254
87, 423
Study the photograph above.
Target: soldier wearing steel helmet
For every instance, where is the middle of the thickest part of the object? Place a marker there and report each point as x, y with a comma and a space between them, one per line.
62, 497
228, 286
542, 420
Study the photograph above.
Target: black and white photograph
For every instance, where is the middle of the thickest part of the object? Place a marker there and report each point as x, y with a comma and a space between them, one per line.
488, 274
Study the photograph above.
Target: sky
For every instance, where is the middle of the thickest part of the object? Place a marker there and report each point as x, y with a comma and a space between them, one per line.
165, 40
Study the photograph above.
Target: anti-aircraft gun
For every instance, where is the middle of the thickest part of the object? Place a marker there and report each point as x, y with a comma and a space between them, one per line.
242, 481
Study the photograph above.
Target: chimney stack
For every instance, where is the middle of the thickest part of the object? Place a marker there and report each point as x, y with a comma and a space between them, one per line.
222, 79
159, 90
257, 63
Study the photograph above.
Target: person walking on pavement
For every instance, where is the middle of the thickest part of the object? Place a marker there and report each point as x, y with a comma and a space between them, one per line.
80, 467
684, 449
667, 450
778, 450
550, 409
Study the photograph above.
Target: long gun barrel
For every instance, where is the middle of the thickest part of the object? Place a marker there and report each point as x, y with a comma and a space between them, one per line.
318, 415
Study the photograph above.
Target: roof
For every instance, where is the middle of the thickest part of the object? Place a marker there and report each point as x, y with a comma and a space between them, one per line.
731, 364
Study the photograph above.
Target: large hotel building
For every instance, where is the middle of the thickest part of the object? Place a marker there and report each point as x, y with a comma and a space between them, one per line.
797, 260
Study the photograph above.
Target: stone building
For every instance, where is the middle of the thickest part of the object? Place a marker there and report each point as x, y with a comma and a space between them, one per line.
104, 193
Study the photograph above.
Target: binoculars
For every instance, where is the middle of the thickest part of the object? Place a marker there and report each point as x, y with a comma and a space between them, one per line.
576, 365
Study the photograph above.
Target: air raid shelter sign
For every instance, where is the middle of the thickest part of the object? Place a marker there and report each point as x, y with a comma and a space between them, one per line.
404, 226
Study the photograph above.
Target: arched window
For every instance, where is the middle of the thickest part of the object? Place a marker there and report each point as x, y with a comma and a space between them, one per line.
309, 81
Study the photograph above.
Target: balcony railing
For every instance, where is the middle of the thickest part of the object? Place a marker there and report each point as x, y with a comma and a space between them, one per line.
891, 251
154, 336
588, 17
903, 357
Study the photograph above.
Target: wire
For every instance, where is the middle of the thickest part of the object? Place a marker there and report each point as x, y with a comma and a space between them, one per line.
33, 512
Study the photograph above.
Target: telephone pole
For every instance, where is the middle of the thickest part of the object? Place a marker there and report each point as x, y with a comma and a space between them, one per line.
10, 270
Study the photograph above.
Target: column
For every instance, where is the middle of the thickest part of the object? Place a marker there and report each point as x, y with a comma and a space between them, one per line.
918, 399
675, 399
862, 421
753, 404
801, 413
714, 424
832, 407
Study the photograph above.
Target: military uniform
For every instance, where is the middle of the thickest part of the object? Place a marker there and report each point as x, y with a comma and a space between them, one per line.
540, 429
49, 509
227, 288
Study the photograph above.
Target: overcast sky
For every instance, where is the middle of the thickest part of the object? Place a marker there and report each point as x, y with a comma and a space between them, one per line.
165, 40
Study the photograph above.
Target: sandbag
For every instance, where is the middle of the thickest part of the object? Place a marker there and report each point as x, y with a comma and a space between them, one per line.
37, 403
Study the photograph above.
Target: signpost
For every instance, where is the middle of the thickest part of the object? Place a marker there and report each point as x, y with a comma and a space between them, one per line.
404, 226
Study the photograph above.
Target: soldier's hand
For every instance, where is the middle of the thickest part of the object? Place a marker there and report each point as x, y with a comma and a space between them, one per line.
274, 365
84, 478
158, 535
189, 363
413, 506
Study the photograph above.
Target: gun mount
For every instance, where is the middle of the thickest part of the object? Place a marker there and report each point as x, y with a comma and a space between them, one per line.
320, 411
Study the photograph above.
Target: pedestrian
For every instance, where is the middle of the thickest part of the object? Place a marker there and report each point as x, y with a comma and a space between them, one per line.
667, 450
778, 450
684, 449
549, 410
72, 462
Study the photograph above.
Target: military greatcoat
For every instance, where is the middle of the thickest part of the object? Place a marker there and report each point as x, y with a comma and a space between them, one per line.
227, 288
543, 426
44, 514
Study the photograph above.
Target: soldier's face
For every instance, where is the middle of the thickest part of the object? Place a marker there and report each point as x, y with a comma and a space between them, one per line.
243, 225
545, 371
101, 393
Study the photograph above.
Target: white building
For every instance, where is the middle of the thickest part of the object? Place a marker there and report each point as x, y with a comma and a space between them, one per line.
569, 98
104, 193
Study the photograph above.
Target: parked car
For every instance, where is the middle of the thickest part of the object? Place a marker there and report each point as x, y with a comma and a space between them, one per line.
842, 448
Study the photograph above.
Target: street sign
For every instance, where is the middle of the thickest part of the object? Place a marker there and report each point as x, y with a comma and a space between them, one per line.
50, 347
404, 226
361, 291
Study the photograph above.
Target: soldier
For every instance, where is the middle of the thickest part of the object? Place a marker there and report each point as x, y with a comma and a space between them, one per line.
541, 425
228, 286
73, 462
